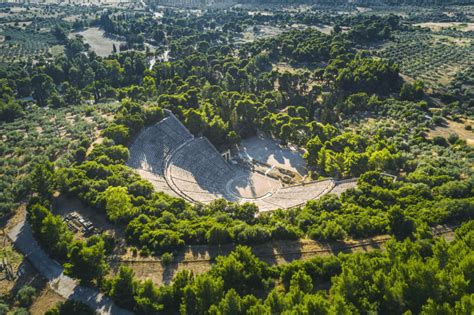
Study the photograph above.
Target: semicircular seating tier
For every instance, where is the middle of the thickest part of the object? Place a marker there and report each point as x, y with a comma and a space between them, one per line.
343, 185
153, 146
198, 172
178, 164
297, 195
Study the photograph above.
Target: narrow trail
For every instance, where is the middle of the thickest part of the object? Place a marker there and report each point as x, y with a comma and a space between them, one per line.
268, 253
199, 258
23, 239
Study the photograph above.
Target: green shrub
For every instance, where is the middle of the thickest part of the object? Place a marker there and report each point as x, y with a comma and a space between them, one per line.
218, 234
26, 295
166, 259
453, 138
118, 133
438, 140
246, 234
285, 232
70, 307
328, 231
454, 189
4, 309
21, 311
145, 252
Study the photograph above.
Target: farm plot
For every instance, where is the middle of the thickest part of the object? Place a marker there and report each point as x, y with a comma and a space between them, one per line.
435, 59
24, 44
463, 85
41, 133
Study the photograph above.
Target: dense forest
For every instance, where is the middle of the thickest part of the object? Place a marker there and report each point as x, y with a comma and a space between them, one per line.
226, 97
350, 110
421, 276
243, 100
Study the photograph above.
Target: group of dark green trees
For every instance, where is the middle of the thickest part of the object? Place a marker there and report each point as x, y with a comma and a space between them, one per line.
423, 276
227, 96
431, 193
351, 113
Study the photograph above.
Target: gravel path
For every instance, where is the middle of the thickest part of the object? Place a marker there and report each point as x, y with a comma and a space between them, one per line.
22, 236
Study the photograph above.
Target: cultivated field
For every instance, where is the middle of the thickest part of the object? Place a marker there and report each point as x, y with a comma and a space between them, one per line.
22, 44
432, 58
48, 134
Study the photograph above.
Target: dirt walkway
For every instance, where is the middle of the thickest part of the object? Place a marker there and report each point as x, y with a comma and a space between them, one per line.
199, 258
23, 239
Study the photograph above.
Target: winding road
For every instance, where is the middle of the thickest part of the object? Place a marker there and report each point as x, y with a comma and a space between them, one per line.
23, 239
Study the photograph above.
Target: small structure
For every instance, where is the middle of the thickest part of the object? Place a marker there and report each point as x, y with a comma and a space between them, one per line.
226, 155
76, 223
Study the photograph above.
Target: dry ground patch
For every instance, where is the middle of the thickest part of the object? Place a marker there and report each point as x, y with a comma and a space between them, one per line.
199, 258
64, 205
100, 44
25, 274
15, 261
45, 300
453, 127
437, 26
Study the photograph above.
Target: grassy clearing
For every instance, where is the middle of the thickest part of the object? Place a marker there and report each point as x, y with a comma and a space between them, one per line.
45, 300
16, 261
13, 257
257, 32
56, 50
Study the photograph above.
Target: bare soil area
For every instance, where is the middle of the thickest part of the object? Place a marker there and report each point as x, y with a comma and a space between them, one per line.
26, 274
101, 44
45, 300
453, 127
437, 26
64, 205
199, 258
266, 150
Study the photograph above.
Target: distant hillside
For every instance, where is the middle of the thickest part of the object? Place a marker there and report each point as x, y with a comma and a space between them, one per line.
364, 2
328, 3
418, 2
